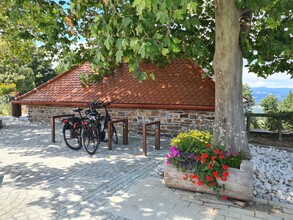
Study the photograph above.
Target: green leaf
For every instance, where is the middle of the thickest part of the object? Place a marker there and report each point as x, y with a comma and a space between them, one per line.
126, 21
139, 5
203, 75
119, 44
142, 76
152, 76
192, 7
159, 36
119, 55
176, 49
273, 23
178, 14
139, 29
108, 43
165, 51
125, 43
162, 16
142, 51
133, 42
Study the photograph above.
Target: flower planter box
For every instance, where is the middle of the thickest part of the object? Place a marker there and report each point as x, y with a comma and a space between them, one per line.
238, 186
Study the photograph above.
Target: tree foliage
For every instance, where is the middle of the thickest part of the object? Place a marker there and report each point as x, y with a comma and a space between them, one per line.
270, 104
151, 30
160, 30
287, 104
247, 94
27, 68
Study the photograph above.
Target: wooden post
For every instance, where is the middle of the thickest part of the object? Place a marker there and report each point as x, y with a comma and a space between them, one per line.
52, 121
125, 131
144, 147
109, 135
157, 136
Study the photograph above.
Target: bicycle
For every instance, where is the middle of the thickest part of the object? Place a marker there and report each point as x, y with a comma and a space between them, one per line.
71, 131
104, 123
90, 133
94, 130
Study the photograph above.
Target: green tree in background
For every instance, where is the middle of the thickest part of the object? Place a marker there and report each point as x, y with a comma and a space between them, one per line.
287, 106
247, 94
216, 34
270, 105
25, 72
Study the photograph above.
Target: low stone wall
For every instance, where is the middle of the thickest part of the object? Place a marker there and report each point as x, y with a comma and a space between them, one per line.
172, 121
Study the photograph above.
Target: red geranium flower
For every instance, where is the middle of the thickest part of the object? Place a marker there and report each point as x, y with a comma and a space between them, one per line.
208, 145
216, 174
224, 197
200, 183
185, 176
225, 167
224, 178
204, 155
196, 158
193, 176
193, 181
213, 157
221, 156
210, 166
225, 174
208, 178
214, 162
216, 151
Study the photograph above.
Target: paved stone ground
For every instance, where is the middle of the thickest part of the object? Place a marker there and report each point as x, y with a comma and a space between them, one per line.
44, 180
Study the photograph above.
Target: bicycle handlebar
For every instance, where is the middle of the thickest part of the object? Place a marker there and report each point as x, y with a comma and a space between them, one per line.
101, 104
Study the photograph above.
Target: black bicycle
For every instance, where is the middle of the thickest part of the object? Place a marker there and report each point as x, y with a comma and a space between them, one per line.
72, 128
105, 118
94, 130
90, 133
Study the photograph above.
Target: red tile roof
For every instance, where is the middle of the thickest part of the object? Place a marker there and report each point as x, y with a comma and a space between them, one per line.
176, 87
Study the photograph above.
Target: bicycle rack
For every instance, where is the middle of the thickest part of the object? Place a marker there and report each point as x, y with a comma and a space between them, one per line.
157, 136
125, 131
53, 124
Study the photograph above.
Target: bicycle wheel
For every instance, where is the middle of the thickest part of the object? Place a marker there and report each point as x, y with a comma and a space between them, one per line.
90, 138
114, 135
72, 137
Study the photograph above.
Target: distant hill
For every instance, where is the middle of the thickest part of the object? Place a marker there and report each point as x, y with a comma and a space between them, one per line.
260, 93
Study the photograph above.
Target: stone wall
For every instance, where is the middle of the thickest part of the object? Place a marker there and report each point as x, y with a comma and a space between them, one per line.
172, 121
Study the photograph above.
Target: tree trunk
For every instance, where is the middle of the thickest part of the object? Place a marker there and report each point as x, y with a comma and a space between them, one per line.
227, 64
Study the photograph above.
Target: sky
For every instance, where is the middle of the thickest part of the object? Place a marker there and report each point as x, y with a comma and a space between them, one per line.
278, 80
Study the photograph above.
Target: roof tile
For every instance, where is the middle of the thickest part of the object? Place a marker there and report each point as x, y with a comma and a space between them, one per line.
177, 84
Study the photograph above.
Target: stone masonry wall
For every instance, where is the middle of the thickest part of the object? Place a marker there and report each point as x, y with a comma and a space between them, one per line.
172, 121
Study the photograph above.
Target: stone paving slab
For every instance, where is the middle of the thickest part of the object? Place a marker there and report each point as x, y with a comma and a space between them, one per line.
44, 180
150, 198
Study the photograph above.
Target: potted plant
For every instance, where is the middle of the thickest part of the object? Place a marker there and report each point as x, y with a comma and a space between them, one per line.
195, 164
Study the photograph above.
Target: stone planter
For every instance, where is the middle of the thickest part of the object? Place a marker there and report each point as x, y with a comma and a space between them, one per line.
238, 186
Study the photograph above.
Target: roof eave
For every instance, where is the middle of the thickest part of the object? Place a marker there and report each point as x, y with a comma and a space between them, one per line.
123, 105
